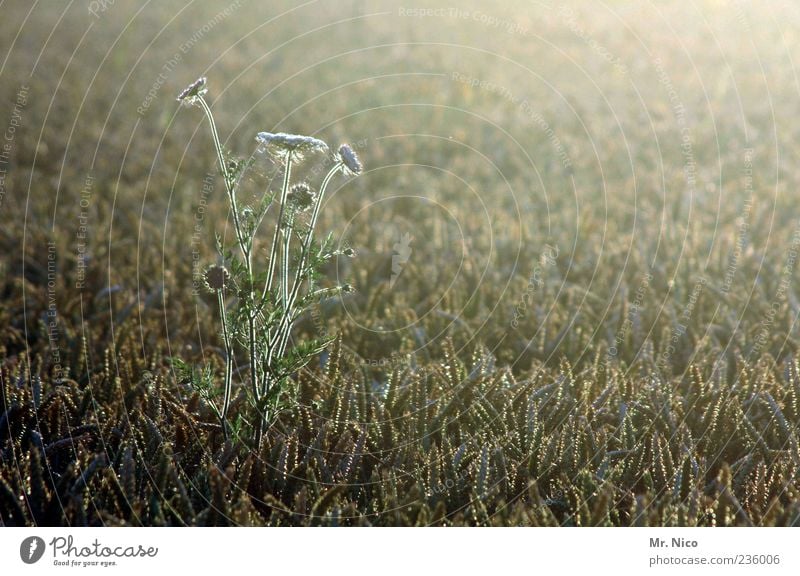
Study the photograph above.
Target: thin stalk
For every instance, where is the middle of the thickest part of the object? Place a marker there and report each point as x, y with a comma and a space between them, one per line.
226, 400
274, 249
284, 328
287, 237
310, 232
245, 247
268, 286
258, 432
251, 338
228, 184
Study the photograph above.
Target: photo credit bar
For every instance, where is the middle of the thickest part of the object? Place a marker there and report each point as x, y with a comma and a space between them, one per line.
634, 551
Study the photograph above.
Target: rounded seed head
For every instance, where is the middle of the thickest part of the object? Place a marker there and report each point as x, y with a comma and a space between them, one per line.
301, 197
282, 145
216, 278
193, 91
350, 159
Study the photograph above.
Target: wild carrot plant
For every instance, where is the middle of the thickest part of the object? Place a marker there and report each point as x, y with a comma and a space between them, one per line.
261, 297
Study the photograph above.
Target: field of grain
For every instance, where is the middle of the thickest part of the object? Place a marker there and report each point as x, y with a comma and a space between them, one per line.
575, 277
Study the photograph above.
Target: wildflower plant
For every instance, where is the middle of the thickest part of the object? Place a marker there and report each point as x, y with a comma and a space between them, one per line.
261, 297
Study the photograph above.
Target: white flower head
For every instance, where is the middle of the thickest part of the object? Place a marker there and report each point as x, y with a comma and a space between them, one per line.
193, 91
283, 145
350, 160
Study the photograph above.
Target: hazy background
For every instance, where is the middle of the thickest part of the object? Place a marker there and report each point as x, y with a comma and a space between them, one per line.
648, 146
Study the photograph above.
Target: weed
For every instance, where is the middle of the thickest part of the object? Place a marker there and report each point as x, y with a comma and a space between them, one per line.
267, 303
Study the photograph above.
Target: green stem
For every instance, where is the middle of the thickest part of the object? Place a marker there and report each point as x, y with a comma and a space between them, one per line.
287, 237
269, 281
226, 400
245, 247
284, 329
251, 337
228, 185
274, 249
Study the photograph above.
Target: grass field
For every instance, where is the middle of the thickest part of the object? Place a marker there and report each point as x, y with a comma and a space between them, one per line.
576, 295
